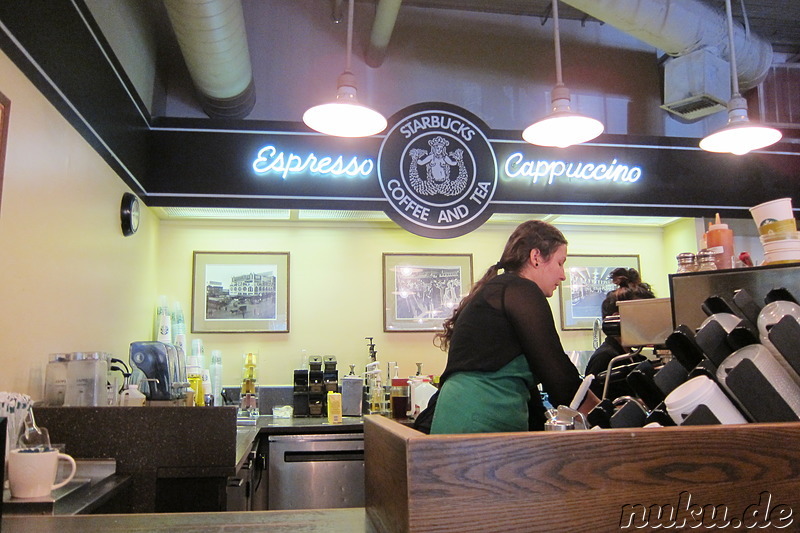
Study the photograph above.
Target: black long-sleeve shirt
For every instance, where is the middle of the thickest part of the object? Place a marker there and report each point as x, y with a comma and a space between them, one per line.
510, 316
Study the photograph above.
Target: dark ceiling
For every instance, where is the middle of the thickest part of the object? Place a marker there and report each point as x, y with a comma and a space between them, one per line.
777, 21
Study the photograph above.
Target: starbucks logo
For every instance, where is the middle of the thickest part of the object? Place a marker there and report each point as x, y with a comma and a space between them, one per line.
438, 171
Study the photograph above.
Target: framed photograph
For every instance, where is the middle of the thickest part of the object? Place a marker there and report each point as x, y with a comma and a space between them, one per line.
421, 290
586, 286
5, 108
240, 292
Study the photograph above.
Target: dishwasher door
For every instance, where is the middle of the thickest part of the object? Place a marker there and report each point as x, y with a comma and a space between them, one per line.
316, 471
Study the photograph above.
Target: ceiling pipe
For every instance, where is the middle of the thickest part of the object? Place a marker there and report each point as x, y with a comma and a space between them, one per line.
213, 41
679, 27
382, 28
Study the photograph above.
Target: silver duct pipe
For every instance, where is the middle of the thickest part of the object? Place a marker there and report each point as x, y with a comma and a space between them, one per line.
382, 28
680, 27
212, 38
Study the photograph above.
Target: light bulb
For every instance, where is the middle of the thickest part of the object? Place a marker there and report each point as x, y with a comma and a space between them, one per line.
345, 117
562, 129
740, 136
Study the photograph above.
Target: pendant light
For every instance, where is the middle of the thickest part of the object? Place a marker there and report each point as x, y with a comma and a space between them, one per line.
345, 117
562, 127
740, 135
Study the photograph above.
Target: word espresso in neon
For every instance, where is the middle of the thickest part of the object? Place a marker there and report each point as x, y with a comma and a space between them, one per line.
685, 514
517, 168
438, 172
271, 160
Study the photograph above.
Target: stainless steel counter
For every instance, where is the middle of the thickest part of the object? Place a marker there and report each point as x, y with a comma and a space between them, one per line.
269, 425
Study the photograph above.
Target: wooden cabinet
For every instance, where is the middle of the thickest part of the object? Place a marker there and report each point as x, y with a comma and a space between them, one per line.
582, 480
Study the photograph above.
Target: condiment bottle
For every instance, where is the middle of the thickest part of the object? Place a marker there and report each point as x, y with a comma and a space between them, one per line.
706, 260
686, 262
194, 375
719, 239
399, 398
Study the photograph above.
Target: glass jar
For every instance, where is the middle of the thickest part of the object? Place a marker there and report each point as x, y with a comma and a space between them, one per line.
707, 260
686, 262
399, 398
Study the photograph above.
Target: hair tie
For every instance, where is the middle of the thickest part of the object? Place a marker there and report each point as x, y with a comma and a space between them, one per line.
498, 265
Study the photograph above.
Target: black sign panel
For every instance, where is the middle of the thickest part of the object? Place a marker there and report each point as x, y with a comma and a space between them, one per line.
440, 172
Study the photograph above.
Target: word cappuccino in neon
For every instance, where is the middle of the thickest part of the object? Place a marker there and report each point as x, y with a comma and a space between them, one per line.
516, 167
269, 159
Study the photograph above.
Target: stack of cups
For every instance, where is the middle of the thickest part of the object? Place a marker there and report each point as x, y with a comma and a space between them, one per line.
777, 230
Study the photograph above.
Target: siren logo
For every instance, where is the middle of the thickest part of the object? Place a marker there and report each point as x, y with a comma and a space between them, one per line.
438, 171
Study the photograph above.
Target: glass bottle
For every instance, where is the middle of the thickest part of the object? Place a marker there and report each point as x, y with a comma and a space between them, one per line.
706, 260
248, 399
686, 262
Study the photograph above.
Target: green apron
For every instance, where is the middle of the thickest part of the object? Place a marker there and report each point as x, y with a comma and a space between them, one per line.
485, 402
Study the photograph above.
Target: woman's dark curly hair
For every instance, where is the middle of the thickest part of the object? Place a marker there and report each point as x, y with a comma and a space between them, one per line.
629, 287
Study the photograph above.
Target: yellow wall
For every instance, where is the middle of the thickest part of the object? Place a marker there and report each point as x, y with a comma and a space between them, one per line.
72, 282
336, 286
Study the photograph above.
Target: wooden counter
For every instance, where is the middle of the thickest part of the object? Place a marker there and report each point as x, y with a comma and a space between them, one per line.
580, 480
325, 521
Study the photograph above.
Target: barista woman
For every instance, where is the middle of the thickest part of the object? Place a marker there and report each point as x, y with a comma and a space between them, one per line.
503, 341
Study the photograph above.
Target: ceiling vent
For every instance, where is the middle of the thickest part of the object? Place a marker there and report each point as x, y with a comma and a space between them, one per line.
696, 85
778, 102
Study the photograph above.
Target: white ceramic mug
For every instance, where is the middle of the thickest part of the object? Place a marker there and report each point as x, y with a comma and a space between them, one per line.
32, 474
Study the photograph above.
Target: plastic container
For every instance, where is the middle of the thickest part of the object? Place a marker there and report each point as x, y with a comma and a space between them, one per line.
55, 380
199, 351
195, 378
701, 390
216, 376
774, 368
719, 239
86, 380
334, 407
785, 236
179, 327
164, 322
132, 397
208, 397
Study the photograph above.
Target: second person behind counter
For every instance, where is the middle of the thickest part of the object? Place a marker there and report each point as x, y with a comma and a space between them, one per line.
629, 287
502, 342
